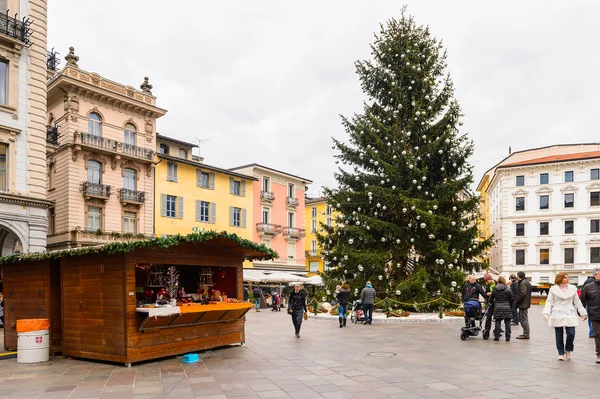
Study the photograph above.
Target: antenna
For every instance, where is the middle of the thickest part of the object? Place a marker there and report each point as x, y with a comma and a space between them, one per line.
200, 141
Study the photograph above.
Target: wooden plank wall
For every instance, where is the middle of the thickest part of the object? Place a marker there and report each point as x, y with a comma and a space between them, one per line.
55, 308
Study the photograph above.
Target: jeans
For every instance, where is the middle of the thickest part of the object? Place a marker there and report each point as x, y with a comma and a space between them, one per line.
368, 309
488, 317
590, 325
257, 303
515, 315
560, 339
343, 310
498, 328
524, 320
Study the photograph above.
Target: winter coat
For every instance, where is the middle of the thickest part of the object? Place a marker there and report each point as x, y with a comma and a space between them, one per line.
590, 298
524, 297
471, 292
257, 292
297, 301
562, 307
514, 287
367, 297
502, 298
343, 296
588, 280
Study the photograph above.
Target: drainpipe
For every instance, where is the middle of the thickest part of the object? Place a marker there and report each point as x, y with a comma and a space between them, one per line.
154, 202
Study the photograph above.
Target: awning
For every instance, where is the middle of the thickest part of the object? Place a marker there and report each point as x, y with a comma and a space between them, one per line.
313, 280
281, 277
254, 276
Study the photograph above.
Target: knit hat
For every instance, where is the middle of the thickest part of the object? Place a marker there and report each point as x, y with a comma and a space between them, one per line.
487, 277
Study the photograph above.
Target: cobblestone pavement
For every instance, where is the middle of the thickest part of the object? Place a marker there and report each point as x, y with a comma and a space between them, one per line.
388, 360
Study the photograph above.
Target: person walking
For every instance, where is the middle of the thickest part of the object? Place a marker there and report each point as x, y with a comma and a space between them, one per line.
523, 304
590, 279
246, 294
367, 298
590, 298
489, 305
514, 287
502, 300
560, 312
342, 297
257, 292
297, 307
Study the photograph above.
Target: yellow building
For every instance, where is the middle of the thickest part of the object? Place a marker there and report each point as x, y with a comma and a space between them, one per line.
317, 212
484, 218
190, 194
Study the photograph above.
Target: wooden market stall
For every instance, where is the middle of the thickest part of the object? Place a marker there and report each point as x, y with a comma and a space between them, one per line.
101, 301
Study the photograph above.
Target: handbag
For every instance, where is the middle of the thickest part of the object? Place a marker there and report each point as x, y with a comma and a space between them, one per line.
305, 316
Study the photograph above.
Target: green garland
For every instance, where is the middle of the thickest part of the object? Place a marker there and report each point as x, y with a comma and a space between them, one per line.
158, 242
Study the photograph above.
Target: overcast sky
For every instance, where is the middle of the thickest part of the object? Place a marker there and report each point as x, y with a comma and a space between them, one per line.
266, 81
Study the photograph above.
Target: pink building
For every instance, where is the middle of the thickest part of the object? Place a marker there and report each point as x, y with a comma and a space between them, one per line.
279, 212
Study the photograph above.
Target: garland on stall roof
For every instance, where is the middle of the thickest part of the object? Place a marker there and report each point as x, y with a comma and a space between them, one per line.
160, 242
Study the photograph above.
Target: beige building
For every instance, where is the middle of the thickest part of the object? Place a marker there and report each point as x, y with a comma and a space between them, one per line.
101, 169
23, 205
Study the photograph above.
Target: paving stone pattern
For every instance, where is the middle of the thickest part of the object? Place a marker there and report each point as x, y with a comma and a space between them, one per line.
328, 362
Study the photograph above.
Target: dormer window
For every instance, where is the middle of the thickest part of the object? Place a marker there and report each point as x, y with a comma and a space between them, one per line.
182, 153
164, 149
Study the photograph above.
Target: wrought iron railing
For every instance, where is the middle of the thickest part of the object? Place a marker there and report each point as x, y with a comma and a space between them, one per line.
52, 60
292, 201
15, 28
294, 232
132, 195
267, 195
95, 189
268, 228
52, 135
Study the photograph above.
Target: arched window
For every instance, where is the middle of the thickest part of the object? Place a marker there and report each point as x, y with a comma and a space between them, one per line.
129, 134
95, 124
164, 149
94, 172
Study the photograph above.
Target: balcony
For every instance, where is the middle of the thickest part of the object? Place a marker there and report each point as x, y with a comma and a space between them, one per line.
131, 196
293, 202
95, 190
293, 232
268, 228
15, 28
312, 253
267, 196
52, 135
114, 147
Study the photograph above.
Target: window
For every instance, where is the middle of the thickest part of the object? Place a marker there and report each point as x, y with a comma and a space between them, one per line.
266, 184
236, 216
569, 226
202, 215
520, 229
595, 255
569, 200
94, 124
544, 256
237, 187
544, 202
3, 82
202, 179
328, 222
313, 246
129, 179
172, 171
569, 255
51, 221
182, 153
544, 279
291, 191
520, 205
265, 215
329, 209
544, 227
171, 206
291, 219
544, 178
129, 222
574, 280
568, 176
595, 198
291, 249
164, 149
313, 212
129, 134
51, 175
94, 172
3, 167
313, 266
313, 226
520, 257
595, 174
595, 226
520, 181
94, 218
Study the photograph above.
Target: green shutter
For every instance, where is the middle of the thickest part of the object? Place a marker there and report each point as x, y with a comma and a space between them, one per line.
211, 181
180, 207
198, 210
244, 218
163, 205
231, 216
213, 212
231, 185
243, 183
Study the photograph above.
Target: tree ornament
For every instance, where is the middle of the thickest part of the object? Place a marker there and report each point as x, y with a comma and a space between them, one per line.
351, 241
398, 292
423, 225
380, 277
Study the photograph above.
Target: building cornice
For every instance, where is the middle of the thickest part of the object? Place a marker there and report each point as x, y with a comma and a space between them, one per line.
24, 201
547, 216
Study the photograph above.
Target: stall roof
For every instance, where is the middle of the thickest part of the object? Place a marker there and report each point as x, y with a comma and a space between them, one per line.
231, 242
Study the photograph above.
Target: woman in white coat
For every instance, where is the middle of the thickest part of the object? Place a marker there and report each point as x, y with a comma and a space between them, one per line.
560, 312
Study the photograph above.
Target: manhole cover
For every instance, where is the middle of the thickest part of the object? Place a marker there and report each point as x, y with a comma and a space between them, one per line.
381, 354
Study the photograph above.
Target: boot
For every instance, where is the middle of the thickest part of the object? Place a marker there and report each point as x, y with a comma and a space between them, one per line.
340, 322
344, 322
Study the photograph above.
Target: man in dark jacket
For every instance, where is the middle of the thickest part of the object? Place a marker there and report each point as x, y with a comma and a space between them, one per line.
514, 288
523, 302
590, 279
471, 290
590, 298
257, 292
367, 297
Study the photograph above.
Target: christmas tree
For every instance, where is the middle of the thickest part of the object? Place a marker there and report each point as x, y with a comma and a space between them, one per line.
406, 215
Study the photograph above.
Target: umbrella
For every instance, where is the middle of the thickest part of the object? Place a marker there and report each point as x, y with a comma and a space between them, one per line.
254, 276
313, 280
281, 277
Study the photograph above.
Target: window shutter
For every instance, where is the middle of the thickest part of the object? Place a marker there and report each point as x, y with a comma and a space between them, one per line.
213, 212
231, 216
180, 207
211, 181
231, 185
243, 188
198, 210
175, 171
198, 177
163, 205
243, 218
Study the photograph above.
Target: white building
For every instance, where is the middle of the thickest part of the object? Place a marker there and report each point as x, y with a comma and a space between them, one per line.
545, 212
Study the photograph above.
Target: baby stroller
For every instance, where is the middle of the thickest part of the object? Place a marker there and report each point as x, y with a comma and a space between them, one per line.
357, 314
474, 318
